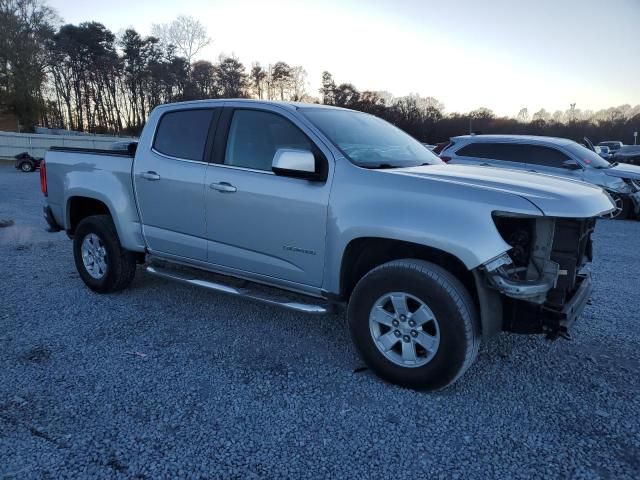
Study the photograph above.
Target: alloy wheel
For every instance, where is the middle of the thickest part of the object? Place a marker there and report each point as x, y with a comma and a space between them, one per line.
404, 329
94, 256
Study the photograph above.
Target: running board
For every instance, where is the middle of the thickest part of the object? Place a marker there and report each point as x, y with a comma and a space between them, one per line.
185, 277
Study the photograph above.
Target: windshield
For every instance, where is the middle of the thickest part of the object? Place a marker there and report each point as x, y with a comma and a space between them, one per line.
586, 156
368, 141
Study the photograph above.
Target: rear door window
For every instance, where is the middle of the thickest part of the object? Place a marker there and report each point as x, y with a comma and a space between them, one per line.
183, 134
545, 156
508, 152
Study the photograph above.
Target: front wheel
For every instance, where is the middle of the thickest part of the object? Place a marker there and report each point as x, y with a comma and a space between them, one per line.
102, 263
26, 167
414, 324
623, 207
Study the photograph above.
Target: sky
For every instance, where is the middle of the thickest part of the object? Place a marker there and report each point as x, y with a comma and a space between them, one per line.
500, 54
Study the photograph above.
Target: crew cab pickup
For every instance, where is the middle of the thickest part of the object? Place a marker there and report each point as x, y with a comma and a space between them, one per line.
312, 208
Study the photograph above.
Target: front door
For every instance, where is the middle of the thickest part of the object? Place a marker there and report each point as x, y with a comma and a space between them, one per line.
541, 159
169, 183
258, 222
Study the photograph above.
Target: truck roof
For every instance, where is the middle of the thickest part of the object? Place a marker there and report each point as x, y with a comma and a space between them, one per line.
290, 105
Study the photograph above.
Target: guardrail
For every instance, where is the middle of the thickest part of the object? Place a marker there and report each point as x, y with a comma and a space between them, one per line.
36, 144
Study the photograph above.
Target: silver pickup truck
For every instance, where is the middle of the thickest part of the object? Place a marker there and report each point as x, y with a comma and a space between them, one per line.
312, 208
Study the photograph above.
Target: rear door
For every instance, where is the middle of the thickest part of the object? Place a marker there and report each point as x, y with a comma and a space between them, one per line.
493, 154
169, 182
268, 226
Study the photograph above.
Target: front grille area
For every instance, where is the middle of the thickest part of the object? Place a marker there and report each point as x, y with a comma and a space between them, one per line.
572, 248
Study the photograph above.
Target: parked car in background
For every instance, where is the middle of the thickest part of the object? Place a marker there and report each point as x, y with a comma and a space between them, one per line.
331, 207
26, 163
627, 154
604, 152
553, 156
613, 145
622, 153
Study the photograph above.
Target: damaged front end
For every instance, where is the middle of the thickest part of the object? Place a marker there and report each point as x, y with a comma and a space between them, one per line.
542, 279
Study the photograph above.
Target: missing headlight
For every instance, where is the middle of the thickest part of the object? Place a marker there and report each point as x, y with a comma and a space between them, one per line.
519, 233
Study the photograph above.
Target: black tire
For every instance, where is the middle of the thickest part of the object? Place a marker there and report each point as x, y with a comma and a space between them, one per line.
121, 263
26, 167
448, 300
625, 211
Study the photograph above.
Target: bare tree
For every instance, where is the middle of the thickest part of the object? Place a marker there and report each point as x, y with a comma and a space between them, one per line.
298, 84
482, 112
258, 77
558, 116
523, 115
541, 115
328, 89
187, 34
281, 77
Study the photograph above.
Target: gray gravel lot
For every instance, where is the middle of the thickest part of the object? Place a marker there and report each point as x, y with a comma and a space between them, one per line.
163, 380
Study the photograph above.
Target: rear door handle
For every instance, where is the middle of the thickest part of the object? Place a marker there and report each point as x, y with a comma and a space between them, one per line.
153, 176
223, 187
485, 164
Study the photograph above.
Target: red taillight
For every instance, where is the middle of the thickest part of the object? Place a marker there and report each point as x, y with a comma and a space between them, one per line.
43, 178
445, 159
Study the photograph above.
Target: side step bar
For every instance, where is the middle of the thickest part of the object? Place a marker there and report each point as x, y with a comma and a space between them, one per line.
184, 277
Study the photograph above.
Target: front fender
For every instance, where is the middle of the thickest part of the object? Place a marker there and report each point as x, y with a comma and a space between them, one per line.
447, 217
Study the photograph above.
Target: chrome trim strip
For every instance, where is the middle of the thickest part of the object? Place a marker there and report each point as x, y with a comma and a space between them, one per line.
178, 158
233, 167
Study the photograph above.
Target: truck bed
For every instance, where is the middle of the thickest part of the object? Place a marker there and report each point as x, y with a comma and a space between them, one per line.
100, 175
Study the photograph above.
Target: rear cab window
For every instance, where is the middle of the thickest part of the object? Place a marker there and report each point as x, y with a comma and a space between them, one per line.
183, 133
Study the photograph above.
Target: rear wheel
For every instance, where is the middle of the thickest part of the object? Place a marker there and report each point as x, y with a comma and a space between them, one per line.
26, 167
414, 324
102, 263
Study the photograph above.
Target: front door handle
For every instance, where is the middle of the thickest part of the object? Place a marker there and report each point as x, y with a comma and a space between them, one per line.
223, 187
153, 176
485, 164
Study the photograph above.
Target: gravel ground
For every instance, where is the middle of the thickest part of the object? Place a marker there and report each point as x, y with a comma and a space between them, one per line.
163, 380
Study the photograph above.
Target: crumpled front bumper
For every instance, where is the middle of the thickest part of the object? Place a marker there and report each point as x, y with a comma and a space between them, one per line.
556, 323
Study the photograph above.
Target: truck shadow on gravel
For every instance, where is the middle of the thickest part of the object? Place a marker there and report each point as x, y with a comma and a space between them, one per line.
37, 355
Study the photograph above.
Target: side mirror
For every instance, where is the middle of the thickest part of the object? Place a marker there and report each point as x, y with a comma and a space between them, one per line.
571, 165
291, 162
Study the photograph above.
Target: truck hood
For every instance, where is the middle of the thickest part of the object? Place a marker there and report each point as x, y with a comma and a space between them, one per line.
624, 171
553, 196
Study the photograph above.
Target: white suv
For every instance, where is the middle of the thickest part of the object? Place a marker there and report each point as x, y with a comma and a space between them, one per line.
552, 156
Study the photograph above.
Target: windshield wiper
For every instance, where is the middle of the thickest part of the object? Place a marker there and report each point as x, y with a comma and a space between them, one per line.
611, 165
380, 166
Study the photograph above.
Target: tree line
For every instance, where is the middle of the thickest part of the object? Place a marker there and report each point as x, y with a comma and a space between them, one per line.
84, 77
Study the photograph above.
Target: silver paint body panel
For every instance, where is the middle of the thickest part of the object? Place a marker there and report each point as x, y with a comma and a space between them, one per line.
290, 232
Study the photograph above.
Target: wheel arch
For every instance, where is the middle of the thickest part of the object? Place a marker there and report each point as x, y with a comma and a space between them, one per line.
80, 207
362, 255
